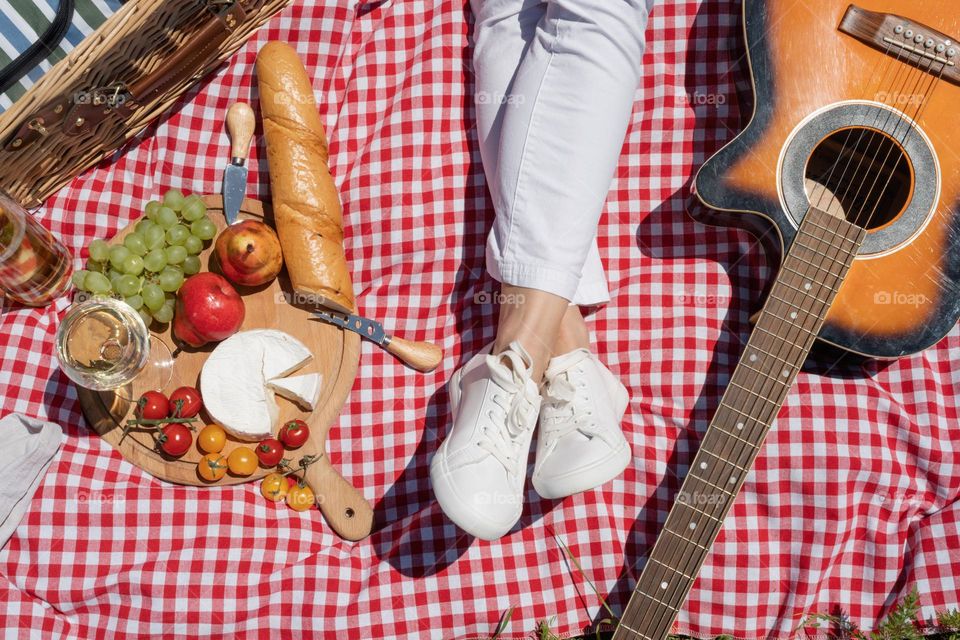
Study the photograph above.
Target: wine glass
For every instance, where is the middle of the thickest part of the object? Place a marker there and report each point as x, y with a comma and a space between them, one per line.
35, 267
103, 344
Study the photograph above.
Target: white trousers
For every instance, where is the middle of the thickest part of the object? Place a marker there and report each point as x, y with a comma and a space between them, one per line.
555, 83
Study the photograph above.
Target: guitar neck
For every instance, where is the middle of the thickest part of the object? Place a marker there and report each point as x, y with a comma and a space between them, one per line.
811, 274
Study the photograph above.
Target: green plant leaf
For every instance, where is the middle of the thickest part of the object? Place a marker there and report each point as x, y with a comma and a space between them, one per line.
502, 625
901, 622
576, 563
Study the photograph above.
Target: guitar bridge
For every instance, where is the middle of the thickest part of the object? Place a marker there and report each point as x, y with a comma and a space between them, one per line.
909, 41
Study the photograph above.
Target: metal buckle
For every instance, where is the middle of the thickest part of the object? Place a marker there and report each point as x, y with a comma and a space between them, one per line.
221, 9
111, 96
108, 97
37, 125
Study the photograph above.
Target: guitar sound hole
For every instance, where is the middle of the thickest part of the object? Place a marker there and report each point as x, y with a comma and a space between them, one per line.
861, 174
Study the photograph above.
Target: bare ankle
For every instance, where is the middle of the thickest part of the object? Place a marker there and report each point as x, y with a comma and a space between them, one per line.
532, 319
573, 333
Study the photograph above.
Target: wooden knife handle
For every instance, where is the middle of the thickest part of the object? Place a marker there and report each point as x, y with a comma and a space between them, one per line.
345, 509
422, 356
240, 124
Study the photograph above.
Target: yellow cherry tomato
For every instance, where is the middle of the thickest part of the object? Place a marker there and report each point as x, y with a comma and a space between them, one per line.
212, 438
274, 487
212, 467
242, 461
300, 497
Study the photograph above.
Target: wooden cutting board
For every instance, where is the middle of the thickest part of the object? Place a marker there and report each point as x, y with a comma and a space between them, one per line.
336, 355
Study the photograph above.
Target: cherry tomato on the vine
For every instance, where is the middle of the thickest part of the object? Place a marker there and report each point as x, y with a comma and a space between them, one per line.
212, 467
300, 497
175, 439
294, 433
274, 487
270, 452
185, 402
152, 405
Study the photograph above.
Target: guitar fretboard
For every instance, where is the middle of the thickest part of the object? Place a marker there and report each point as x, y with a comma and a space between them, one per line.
811, 274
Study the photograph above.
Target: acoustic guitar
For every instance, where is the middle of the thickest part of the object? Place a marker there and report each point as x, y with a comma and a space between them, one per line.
852, 157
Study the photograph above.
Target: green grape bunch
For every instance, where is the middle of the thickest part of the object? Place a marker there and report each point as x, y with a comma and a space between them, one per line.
148, 268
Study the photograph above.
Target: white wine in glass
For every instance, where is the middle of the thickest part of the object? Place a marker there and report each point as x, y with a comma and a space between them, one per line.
104, 345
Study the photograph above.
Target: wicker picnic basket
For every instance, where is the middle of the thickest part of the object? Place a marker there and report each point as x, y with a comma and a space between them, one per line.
121, 77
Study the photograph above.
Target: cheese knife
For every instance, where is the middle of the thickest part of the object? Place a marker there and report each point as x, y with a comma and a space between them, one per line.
240, 125
422, 356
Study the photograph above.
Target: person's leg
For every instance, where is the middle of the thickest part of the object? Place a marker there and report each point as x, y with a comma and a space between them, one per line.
560, 141
560, 129
502, 33
478, 473
530, 316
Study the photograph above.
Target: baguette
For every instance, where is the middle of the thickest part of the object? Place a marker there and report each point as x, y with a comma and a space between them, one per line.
306, 205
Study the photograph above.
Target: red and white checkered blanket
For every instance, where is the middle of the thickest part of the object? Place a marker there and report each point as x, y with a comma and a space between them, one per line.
853, 502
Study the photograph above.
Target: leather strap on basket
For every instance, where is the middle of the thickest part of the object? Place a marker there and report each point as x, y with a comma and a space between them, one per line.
82, 117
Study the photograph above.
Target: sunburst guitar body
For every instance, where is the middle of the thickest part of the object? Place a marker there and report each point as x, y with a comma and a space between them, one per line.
818, 84
849, 171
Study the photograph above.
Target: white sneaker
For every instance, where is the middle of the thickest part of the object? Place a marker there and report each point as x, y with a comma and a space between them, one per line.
479, 471
580, 444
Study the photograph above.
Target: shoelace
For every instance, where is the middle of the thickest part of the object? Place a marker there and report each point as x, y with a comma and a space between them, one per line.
566, 409
513, 413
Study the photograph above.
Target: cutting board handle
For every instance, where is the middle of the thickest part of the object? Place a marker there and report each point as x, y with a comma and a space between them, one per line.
343, 507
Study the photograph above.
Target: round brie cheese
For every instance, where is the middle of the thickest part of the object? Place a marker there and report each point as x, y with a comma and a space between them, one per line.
233, 381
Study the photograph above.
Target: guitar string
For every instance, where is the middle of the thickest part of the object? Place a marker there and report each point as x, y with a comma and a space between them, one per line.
759, 422
792, 342
711, 479
889, 113
928, 92
891, 63
785, 341
923, 74
764, 393
877, 131
923, 104
671, 560
894, 88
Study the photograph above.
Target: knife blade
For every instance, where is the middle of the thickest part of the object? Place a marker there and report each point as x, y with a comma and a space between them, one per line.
422, 356
240, 125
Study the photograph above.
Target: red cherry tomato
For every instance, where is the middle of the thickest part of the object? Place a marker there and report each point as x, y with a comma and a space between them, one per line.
185, 402
175, 439
270, 452
294, 433
152, 405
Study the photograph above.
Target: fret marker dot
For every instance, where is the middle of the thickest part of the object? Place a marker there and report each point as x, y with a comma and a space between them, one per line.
703, 465
693, 525
807, 285
753, 357
664, 585
740, 426
733, 479
793, 315
786, 373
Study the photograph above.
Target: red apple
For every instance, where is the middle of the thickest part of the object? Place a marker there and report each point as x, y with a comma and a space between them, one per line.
249, 253
208, 309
